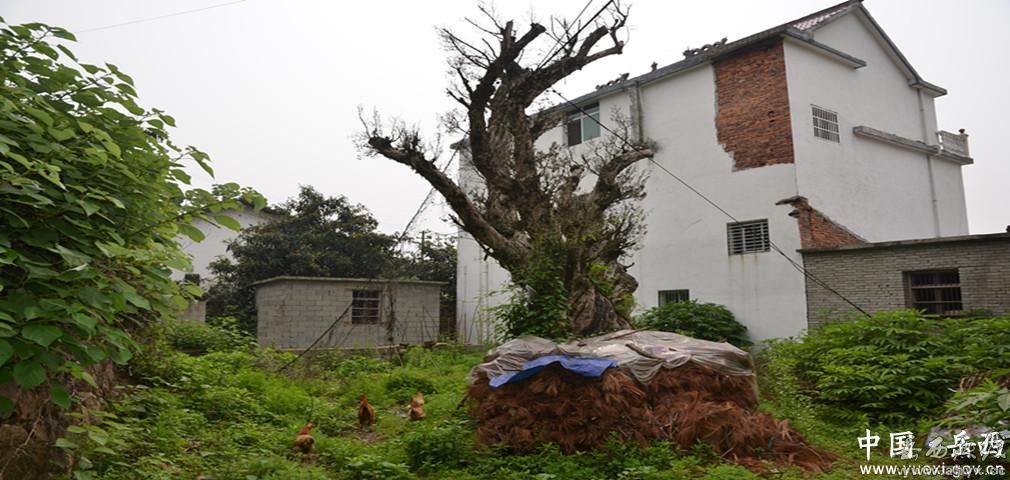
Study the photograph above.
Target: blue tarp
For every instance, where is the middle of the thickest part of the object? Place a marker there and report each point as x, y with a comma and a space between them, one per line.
585, 366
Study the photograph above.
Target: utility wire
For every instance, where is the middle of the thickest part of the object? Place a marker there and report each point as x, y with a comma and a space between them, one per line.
307, 350
159, 17
389, 281
711, 202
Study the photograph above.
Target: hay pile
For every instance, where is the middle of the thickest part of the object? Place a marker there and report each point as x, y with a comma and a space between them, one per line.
687, 404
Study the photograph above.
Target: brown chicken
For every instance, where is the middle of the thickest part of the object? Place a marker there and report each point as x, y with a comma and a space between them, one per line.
304, 440
366, 414
416, 407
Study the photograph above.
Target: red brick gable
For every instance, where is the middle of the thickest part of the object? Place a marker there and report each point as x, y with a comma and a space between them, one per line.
816, 229
752, 100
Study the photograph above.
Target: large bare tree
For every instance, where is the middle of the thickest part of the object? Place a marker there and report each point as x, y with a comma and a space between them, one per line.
558, 219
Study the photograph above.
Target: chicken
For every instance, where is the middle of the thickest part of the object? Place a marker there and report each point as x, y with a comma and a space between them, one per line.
303, 441
366, 414
416, 403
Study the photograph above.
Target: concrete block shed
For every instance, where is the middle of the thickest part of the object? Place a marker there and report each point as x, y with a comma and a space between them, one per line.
946, 276
292, 312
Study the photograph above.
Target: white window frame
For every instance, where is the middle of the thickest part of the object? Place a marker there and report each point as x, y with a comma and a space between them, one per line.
591, 114
825, 124
741, 238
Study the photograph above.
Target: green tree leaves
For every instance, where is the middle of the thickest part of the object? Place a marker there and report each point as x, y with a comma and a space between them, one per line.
92, 198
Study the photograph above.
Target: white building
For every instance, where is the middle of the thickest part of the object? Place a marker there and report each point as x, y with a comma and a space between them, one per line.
814, 133
216, 239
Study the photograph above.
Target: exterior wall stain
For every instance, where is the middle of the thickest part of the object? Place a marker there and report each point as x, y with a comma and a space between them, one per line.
752, 107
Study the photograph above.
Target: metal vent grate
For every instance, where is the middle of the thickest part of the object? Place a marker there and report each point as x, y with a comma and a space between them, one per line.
825, 124
748, 237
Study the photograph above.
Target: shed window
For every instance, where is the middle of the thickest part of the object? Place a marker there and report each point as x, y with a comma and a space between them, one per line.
674, 296
825, 124
937, 292
748, 237
583, 125
365, 307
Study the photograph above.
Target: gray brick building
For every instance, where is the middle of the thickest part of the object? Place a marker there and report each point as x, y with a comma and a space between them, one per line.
947, 276
292, 312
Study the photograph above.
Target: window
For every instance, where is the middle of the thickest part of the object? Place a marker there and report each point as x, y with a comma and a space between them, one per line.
825, 124
365, 307
583, 125
748, 237
673, 296
937, 292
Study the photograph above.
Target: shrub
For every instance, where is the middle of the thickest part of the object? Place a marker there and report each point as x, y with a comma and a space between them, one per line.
199, 338
93, 200
403, 385
729, 472
442, 446
706, 321
988, 404
894, 366
372, 467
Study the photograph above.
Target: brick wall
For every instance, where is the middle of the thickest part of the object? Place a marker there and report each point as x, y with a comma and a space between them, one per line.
816, 229
873, 277
291, 314
752, 116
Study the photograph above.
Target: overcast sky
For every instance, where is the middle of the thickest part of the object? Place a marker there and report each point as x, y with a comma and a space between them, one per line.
271, 89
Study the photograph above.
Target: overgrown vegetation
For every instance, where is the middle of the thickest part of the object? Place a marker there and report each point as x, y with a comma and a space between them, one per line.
229, 414
706, 321
894, 367
91, 202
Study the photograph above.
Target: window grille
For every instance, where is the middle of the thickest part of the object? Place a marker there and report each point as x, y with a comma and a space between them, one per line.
937, 292
365, 307
825, 124
583, 125
674, 296
748, 237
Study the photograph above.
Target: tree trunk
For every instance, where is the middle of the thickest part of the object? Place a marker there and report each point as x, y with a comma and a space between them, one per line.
595, 308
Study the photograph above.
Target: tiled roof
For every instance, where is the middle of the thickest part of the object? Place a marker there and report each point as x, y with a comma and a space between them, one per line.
799, 29
814, 20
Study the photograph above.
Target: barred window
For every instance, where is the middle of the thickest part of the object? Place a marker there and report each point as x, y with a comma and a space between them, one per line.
748, 237
365, 307
674, 296
937, 292
825, 124
583, 125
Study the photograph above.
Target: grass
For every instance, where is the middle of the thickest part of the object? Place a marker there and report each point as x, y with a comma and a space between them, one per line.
229, 414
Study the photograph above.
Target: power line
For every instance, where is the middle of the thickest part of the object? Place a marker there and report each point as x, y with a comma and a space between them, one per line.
390, 283
711, 202
159, 17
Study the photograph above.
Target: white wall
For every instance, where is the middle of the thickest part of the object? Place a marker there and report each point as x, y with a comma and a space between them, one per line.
879, 191
686, 244
215, 243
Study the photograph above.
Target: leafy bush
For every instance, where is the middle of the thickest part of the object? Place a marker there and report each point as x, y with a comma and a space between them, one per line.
729, 472
538, 303
92, 202
987, 404
199, 338
445, 445
372, 467
706, 321
405, 384
894, 366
